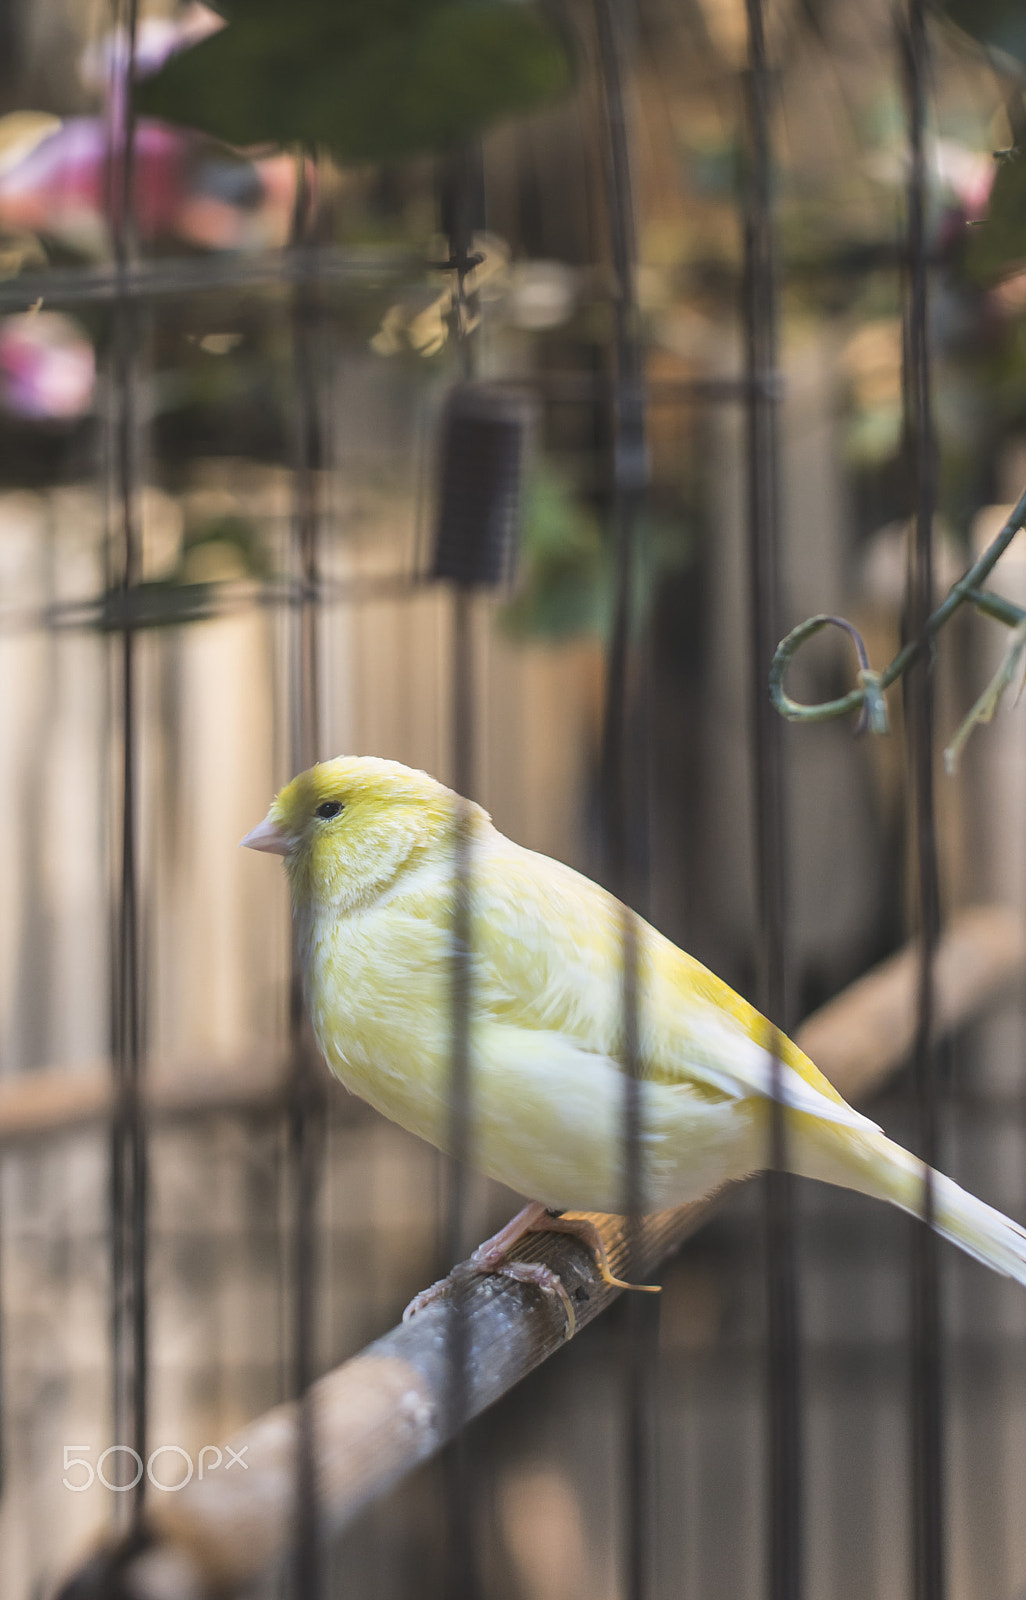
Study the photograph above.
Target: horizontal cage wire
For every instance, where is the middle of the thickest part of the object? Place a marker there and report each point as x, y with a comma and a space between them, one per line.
525, 395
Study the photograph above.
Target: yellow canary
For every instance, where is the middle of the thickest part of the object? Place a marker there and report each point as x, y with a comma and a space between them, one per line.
369, 848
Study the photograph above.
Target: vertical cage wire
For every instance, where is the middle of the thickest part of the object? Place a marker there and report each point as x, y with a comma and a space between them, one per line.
462, 197
927, 1353
129, 1160
783, 1356
307, 1110
462, 1555
624, 771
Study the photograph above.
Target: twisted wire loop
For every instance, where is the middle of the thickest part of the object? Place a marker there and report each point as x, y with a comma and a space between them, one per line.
868, 698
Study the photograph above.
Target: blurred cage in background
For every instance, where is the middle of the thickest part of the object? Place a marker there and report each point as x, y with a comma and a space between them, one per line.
219, 465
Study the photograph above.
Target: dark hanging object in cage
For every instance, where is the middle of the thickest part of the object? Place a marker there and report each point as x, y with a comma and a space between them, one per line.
484, 435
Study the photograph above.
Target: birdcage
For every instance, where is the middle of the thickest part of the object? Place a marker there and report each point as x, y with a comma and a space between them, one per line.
491, 387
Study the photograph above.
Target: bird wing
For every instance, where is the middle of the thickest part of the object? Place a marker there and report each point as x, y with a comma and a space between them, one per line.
550, 947
718, 1051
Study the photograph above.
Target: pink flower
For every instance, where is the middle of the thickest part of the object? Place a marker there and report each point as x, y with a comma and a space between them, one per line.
47, 366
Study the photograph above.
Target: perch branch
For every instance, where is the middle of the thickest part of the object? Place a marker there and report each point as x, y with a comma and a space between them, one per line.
53, 1100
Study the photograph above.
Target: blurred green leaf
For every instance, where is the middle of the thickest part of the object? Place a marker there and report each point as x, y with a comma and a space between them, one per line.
563, 568
997, 246
234, 534
567, 582
996, 24
368, 79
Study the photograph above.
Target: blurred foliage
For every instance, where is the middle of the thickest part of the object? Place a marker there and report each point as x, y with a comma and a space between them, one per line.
996, 24
998, 245
567, 583
369, 80
221, 548
563, 562
217, 550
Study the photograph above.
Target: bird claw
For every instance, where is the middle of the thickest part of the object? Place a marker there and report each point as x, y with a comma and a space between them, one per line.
427, 1297
543, 1278
480, 1264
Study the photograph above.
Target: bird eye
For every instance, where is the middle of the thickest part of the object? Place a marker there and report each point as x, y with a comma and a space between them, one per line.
328, 809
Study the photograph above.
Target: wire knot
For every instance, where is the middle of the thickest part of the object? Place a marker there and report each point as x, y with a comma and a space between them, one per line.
874, 716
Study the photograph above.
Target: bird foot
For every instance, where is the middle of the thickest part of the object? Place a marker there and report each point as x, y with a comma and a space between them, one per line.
584, 1229
493, 1257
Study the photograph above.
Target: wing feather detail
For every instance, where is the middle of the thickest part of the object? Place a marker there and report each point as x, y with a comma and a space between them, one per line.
726, 1058
548, 951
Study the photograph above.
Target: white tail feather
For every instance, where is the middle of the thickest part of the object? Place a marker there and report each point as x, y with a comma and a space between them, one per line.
875, 1165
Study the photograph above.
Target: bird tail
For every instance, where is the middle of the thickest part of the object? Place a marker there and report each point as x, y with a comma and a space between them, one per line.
874, 1165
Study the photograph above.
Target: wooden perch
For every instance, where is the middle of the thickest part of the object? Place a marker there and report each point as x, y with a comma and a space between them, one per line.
865, 1033
379, 1415
54, 1100
382, 1413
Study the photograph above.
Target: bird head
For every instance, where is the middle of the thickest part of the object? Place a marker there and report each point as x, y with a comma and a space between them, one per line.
348, 828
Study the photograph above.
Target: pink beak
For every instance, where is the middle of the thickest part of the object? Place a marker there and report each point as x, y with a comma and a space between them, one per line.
267, 836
